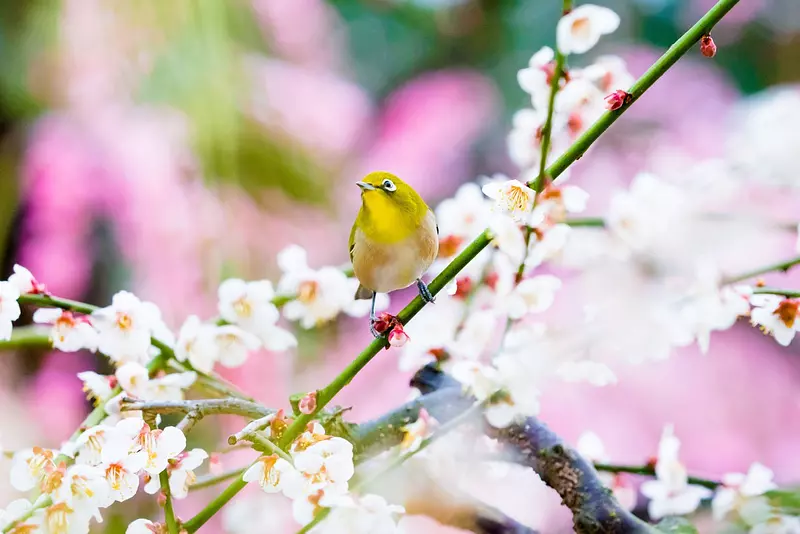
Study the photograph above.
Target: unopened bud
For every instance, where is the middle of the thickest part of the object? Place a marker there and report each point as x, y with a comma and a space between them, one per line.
308, 404
617, 99
707, 46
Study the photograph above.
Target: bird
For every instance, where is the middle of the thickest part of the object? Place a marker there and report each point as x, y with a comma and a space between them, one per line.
394, 239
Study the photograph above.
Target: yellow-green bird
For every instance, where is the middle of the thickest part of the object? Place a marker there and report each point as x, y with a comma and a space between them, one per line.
394, 239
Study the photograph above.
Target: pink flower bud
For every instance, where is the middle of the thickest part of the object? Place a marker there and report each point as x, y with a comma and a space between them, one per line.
398, 336
617, 99
383, 322
308, 404
215, 466
161, 499
707, 46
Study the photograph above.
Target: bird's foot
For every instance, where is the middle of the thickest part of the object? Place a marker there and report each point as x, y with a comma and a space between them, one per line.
383, 324
424, 292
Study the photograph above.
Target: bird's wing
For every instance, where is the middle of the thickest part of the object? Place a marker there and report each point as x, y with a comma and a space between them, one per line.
352, 241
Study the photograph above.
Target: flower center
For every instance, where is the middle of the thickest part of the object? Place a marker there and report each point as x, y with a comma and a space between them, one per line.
787, 312
114, 473
517, 198
124, 321
242, 307
307, 292
582, 28
57, 518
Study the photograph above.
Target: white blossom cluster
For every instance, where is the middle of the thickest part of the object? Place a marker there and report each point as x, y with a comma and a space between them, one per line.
738, 495
316, 476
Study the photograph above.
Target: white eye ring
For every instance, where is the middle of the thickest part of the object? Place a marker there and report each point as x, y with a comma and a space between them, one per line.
388, 185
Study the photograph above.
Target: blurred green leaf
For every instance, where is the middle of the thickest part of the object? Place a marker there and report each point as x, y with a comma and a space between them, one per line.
200, 72
786, 501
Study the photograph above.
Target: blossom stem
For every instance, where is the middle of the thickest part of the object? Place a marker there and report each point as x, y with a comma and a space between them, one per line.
169, 513
596, 222
650, 471
213, 480
27, 337
266, 446
782, 266
42, 502
575, 151
788, 293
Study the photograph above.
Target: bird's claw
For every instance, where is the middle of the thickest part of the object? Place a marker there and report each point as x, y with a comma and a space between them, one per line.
425, 293
373, 330
383, 324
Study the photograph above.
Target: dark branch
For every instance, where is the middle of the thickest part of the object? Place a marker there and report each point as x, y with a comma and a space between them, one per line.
593, 507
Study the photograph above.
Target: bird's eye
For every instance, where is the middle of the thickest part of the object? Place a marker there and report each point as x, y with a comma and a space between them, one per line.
388, 185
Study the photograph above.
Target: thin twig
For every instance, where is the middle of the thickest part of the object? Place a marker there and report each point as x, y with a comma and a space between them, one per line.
213, 480
189, 420
782, 266
252, 426
788, 293
229, 406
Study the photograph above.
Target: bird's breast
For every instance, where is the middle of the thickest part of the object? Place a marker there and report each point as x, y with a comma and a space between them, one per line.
385, 267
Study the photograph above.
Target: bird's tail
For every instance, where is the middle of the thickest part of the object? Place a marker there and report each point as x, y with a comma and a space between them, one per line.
362, 293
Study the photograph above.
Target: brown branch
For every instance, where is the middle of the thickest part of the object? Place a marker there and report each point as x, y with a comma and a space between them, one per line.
200, 408
594, 508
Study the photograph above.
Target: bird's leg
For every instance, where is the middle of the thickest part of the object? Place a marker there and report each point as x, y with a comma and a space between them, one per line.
373, 319
424, 292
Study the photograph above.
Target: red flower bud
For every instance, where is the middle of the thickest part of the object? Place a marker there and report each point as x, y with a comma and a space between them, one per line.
707, 46
617, 99
308, 404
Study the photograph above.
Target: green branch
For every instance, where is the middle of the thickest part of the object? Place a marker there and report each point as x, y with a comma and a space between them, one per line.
777, 291
169, 513
650, 471
681, 46
782, 266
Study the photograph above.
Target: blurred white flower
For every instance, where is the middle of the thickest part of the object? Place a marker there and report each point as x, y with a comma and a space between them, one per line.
556, 202
414, 433
579, 30
507, 237
317, 296
59, 518
70, 332
590, 446
25, 282
134, 379
737, 487
365, 514
432, 330
326, 462
524, 141
125, 327
142, 526
608, 73
510, 196
234, 345
778, 524
249, 305
546, 245
670, 492
532, 295
776, 315
9, 308
521, 397
474, 337
195, 344
97, 387
169, 387
16, 509
465, 215
594, 373
535, 79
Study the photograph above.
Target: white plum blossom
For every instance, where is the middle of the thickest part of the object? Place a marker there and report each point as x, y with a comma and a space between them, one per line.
169, 387
433, 330
524, 141
778, 524
738, 487
555, 202
121, 470
609, 73
9, 308
60, 518
70, 332
181, 471
414, 433
592, 372
365, 514
24, 280
510, 196
160, 446
520, 398
474, 337
580, 30
670, 493
83, 488
776, 315
317, 296
125, 327
532, 295
16, 509
326, 462
30, 466
274, 475
134, 379
249, 305
234, 345
195, 344
535, 79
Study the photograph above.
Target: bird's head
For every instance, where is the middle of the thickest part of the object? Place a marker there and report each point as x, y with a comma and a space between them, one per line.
381, 190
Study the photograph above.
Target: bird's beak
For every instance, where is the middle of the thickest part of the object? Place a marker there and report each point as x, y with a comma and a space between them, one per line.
365, 186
